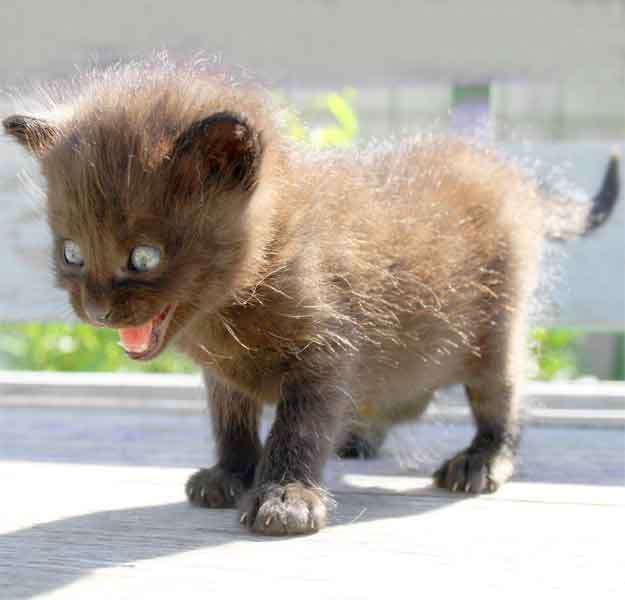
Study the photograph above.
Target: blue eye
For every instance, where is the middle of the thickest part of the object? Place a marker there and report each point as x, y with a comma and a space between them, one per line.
72, 253
145, 258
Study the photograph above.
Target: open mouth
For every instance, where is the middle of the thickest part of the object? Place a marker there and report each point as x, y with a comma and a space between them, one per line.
145, 342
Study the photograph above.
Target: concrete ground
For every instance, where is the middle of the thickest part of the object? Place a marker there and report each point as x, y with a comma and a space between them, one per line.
93, 507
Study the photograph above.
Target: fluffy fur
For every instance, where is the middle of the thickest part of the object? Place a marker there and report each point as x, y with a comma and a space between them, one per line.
342, 287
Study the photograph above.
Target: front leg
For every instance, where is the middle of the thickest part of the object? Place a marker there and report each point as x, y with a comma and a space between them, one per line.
235, 424
286, 497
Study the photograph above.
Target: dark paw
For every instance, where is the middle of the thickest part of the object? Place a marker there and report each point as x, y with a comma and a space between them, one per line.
356, 446
289, 509
214, 488
474, 472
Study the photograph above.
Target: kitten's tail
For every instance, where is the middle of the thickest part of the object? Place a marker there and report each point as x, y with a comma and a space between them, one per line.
566, 219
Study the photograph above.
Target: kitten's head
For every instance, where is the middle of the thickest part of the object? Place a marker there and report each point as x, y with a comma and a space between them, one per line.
149, 180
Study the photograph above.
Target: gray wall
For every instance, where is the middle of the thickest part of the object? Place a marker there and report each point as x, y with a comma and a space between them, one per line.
328, 41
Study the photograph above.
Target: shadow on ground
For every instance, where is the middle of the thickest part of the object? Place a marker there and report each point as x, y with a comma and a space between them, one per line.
49, 556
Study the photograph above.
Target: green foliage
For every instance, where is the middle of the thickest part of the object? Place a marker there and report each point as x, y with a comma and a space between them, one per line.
555, 353
64, 347
343, 130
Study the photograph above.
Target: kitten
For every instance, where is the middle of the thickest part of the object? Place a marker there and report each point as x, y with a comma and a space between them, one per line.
332, 285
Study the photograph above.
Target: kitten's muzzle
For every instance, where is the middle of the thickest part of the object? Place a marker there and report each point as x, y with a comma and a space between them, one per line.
99, 314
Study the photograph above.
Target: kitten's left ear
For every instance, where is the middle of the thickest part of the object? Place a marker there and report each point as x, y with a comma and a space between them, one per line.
36, 135
222, 150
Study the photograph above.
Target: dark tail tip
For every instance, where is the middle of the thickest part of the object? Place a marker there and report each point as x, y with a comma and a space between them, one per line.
604, 202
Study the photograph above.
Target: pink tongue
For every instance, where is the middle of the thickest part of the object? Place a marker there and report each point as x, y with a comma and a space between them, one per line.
136, 339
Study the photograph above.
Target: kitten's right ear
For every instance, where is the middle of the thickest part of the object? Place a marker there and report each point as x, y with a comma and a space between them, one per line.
36, 135
222, 149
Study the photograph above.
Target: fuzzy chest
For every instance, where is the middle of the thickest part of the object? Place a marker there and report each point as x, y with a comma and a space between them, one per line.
248, 347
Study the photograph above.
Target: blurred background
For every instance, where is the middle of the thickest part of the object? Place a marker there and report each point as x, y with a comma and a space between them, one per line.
544, 80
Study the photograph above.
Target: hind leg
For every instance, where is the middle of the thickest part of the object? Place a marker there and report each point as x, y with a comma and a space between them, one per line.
362, 441
492, 386
489, 460
365, 432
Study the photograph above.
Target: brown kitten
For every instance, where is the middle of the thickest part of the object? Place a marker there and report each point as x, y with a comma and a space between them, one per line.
331, 285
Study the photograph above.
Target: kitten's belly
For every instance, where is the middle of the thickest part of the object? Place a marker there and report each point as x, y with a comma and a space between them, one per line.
393, 388
401, 387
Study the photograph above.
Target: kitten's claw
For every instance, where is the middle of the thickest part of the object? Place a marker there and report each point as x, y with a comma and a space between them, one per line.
475, 471
284, 509
215, 488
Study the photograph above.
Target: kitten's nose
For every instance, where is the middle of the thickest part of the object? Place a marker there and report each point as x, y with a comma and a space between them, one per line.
99, 313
